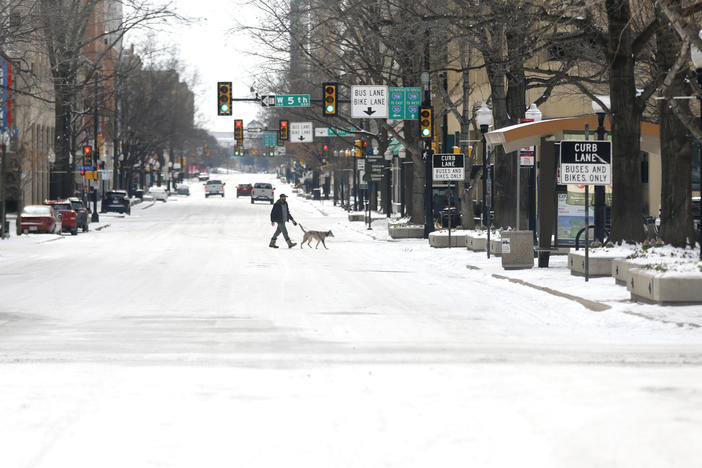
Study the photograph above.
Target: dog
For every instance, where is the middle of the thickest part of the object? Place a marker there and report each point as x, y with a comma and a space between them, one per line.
319, 236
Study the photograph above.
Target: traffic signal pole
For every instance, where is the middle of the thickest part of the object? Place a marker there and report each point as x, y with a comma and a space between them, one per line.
95, 217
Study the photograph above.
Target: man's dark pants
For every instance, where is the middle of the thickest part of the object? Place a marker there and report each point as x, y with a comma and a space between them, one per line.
283, 229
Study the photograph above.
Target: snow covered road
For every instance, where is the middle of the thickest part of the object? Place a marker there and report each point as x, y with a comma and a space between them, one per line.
175, 337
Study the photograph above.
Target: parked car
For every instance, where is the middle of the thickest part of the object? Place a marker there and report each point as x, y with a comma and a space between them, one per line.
82, 212
262, 191
203, 176
117, 201
243, 190
158, 193
214, 187
65, 212
39, 218
183, 190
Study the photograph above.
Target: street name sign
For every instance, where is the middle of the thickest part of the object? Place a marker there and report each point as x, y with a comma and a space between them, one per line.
301, 132
329, 132
448, 166
292, 100
369, 102
404, 103
586, 162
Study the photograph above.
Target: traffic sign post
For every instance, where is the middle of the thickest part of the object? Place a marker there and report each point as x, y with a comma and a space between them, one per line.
586, 163
404, 103
301, 132
369, 102
450, 167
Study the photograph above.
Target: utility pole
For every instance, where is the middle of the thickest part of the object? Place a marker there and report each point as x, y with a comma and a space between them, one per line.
95, 217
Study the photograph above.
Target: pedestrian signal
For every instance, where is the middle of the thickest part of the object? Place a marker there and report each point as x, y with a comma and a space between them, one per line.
224, 98
329, 99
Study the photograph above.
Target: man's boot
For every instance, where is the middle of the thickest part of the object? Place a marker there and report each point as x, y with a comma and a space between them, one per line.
272, 244
291, 244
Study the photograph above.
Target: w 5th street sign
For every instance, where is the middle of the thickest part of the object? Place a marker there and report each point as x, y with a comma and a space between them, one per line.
292, 100
586, 162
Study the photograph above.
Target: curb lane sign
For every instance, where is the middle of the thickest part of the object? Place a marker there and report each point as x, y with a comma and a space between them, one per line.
448, 166
369, 102
301, 132
586, 162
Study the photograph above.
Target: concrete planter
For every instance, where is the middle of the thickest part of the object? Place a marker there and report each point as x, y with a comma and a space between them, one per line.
599, 266
495, 246
476, 244
441, 240
517, 250
405, 231
653, 286
620, 270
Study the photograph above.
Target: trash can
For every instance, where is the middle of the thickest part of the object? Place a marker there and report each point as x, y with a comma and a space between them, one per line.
517, 250
316, 194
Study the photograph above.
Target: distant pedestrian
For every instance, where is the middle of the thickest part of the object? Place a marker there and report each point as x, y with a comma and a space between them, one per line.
280, 214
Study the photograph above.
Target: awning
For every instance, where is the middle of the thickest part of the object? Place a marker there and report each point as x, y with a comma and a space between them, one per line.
518, 136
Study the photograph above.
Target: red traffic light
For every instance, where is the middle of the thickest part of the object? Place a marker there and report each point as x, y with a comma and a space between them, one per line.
325, 147
283, 123
87, 150
82, 172
238, 123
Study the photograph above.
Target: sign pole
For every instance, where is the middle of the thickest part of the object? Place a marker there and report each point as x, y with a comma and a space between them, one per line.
449, 212
587, 218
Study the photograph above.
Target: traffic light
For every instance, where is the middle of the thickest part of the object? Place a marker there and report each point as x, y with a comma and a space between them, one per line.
283, 130
358, 148
239, 130
101, 164
426, 123
329, 99
82, 172
87, 156
224, 98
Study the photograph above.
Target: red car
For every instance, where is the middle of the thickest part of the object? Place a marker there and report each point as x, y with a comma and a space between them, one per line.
39, 218
244, 190
64, 210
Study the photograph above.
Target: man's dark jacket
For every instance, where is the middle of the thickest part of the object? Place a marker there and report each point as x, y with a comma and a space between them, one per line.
277, 213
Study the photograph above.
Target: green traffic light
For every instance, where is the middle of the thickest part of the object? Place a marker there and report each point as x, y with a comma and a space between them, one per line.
426, 132
224, 107
330, 109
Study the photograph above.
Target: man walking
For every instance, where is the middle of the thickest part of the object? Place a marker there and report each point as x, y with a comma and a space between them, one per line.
281, 214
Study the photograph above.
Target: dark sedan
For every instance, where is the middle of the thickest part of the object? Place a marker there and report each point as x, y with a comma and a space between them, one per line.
82, 212
116, 201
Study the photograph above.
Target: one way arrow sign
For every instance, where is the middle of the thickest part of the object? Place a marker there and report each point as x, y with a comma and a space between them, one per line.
369, 102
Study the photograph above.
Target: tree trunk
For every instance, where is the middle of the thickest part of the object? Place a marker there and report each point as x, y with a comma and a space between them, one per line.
64, 174
627, 196
676, 153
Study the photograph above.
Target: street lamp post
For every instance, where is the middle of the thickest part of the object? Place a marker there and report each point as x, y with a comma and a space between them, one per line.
696, 55
5, 140
600, 213
484, 117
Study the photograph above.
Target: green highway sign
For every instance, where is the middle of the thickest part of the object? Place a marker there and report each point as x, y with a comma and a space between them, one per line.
270, 138
404, 103
292, 100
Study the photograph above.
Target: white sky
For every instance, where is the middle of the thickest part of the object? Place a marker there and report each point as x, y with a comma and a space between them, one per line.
208, 48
